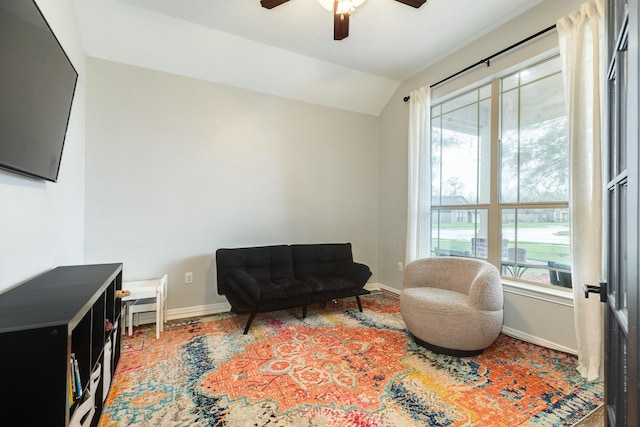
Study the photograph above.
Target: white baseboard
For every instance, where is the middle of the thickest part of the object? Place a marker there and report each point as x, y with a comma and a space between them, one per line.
186, 312
537, 340
199, 310
379, 286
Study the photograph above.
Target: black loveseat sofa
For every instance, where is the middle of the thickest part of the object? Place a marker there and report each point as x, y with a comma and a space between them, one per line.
269, 278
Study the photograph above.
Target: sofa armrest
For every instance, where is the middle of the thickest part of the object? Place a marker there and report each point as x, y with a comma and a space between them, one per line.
244, 285
356, 272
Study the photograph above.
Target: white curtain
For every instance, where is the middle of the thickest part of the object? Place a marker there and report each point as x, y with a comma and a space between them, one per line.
419, 205
582, 48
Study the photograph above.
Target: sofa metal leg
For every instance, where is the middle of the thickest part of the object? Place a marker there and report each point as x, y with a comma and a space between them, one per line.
304, 311
359, 303
251, 317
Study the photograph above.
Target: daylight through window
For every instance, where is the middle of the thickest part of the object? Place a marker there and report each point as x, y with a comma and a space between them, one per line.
501, 192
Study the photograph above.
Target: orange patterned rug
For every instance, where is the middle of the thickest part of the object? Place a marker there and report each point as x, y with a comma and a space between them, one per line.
337, 367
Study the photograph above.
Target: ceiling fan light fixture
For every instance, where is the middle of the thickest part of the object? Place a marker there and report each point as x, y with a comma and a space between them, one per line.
344, 6
341, 12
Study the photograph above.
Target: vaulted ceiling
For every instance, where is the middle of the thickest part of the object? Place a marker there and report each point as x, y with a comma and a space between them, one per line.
289, 51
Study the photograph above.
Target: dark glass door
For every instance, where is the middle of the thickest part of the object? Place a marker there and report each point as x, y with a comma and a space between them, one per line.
621, 227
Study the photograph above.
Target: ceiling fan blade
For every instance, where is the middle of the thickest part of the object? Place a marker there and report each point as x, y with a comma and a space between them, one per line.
340, 26
413, 3
270, 4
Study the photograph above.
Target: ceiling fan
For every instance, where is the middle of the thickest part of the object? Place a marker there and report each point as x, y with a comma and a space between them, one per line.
341, 11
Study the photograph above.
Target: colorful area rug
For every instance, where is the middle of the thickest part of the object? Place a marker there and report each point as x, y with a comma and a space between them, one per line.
337, 367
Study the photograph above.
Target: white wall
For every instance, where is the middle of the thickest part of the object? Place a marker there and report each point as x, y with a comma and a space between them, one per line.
42, 223
177, 168
522, 313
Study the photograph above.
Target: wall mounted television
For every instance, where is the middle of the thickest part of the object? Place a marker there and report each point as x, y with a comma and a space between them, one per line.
37, 85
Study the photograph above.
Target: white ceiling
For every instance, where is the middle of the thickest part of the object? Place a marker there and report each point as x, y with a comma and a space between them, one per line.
289, 50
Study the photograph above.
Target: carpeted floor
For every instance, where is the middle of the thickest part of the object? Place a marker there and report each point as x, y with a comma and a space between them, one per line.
337, 367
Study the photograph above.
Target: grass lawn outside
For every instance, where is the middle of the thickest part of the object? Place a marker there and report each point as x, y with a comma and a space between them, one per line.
536, 252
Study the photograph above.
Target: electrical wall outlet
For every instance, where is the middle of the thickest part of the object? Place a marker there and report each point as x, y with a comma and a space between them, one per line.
188, 277
399, 266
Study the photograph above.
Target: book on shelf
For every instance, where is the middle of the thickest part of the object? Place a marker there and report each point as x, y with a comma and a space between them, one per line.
71, 387
72, 375
76, 383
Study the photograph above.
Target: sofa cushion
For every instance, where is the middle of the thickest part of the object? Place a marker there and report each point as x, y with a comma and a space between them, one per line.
244, 285
328, 284
282, 288
263, 263
320, 259
255, 293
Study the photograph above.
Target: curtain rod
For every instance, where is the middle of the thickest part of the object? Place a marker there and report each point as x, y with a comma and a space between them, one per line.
488, 59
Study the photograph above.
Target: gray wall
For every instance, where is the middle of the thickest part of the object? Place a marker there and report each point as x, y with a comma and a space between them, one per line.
178, 167
42, 223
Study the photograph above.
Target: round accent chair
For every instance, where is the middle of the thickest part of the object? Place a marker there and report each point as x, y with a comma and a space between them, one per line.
452, 305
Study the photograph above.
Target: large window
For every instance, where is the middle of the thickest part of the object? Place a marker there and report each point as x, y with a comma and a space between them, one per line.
500, 175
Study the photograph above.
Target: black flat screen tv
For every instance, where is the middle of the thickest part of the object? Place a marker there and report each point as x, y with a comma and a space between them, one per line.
37, 84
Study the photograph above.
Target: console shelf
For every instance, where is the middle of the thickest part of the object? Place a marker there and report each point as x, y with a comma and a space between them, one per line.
66, 315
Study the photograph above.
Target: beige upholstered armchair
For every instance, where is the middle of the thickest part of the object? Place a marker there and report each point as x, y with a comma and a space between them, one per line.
452, 305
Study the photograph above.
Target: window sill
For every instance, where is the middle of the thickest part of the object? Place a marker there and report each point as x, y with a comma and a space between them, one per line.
556, 296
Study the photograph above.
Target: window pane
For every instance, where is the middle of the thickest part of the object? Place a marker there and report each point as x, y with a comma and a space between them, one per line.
484, 160
540, 70
622, 250
460, 101
455, 232
622, 106
614, 113
436, 110
508, 233
479, 242
460, 156
451, 233
485, 92
544, 142
509, 147
510, 82
436, 160
537, 242
534, 149
461, 152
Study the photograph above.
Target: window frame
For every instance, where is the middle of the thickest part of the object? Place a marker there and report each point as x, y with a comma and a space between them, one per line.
495, 206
